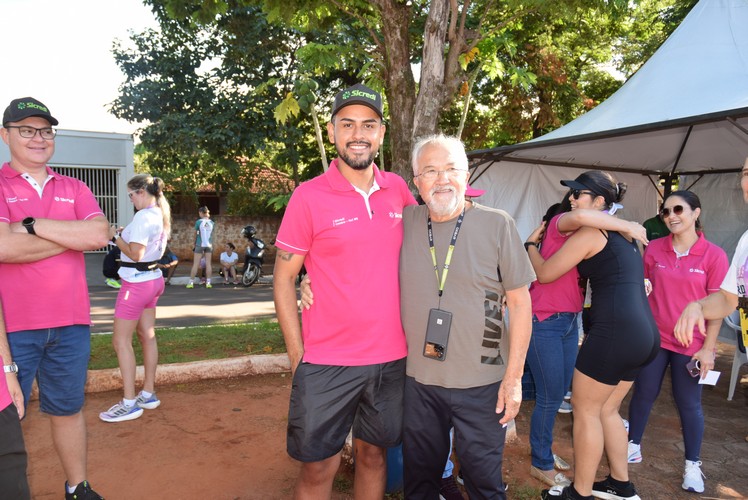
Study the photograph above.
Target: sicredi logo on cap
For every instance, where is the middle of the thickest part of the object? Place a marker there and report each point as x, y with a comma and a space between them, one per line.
358, 93
32, 105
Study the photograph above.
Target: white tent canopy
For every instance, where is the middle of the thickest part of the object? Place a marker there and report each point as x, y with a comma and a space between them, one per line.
684, 112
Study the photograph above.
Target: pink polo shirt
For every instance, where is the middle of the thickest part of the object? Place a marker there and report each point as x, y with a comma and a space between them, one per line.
52, 292
678, 281
352, 252
563, 294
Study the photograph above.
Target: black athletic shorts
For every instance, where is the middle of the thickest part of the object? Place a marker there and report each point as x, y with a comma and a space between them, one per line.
327, 401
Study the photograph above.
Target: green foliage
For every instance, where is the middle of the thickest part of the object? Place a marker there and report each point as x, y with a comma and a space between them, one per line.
223, 80
181, 345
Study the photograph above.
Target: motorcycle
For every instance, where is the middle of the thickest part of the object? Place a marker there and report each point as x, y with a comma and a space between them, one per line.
253, 256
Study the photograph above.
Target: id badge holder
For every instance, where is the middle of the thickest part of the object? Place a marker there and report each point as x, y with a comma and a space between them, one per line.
437, 334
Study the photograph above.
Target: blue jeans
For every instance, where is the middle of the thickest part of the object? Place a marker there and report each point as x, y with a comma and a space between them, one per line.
551, 357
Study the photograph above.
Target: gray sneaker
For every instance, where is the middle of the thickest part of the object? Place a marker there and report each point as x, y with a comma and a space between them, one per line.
147, 403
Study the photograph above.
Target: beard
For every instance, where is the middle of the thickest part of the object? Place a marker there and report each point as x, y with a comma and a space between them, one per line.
357, 162
442, 207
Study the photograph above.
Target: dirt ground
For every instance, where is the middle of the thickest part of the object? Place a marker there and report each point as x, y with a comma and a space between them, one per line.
226, 440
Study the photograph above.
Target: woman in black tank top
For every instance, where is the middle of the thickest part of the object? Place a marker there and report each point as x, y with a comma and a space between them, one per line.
622, 337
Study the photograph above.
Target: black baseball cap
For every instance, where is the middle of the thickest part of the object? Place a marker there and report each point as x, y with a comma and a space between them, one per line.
585, 181
22, 108
358, 94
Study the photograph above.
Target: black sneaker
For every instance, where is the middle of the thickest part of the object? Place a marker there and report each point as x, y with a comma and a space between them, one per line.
82, 492
607, 491
556, 493
449, 489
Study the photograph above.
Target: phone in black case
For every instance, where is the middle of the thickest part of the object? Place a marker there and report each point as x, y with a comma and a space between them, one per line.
437, 334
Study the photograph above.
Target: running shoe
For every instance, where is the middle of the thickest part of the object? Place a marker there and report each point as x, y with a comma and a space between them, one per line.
119, 412
449, 490
556, 493
147, 403
565, 407
82, 492
113, 283
208, 285
693, 478
190, 285
607, 491
635, 453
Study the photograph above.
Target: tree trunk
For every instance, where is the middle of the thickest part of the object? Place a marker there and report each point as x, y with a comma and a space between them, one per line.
431, 93
399, 82
320, 141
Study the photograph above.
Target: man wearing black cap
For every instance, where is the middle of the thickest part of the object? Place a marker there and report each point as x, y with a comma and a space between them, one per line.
348, 360
47, 220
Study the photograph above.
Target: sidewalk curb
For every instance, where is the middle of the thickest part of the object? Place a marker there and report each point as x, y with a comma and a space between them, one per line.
182, 373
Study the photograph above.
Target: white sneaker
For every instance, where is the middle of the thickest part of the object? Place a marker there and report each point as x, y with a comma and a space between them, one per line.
120, 412
635, 453
693, 478
565, 407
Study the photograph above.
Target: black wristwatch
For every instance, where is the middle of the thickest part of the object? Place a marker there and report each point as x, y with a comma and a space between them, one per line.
28, 223
529, 244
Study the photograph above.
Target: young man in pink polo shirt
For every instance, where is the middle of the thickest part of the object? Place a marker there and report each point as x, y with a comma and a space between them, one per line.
345, 227
47, 220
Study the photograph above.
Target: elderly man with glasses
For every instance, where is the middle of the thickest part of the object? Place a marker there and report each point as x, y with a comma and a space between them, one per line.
47, 220
461, 264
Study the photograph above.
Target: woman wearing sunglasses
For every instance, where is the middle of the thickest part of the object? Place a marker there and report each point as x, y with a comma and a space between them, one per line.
142, 243
553, 347
682, 267
622, 337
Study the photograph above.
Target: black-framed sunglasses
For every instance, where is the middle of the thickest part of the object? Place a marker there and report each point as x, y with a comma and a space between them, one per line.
677, 210
576, 193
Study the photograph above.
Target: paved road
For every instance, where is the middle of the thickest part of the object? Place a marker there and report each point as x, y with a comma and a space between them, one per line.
179, 306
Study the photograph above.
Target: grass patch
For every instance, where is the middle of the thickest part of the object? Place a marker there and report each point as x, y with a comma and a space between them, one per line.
180, 345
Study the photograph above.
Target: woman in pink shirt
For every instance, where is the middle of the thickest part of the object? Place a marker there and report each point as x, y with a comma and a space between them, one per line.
682, 267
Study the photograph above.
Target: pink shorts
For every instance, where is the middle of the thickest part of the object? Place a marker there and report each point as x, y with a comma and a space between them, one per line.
133, 298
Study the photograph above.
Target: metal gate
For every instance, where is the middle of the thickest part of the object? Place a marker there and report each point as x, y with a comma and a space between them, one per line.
103, 183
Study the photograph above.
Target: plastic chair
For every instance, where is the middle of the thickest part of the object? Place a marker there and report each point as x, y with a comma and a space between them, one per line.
740, 358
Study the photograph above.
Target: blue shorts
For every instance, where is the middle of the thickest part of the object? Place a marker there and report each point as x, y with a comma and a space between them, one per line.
58, 358
134, 298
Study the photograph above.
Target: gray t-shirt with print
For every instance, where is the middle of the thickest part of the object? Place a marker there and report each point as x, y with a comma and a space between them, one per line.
478, 344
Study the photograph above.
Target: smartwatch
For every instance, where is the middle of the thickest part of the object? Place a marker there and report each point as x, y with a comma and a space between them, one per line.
11, 368
114, 238
28, 223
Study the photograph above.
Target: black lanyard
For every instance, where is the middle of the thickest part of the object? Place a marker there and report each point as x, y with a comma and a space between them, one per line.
451, 248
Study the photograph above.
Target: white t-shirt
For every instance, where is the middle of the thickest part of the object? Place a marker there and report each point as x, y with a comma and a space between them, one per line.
146, 228
734, 281
232, 259
205, 229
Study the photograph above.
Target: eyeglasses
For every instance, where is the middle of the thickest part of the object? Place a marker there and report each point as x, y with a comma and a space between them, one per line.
29, 132
432, 174
130, 193
576, 193
677, 210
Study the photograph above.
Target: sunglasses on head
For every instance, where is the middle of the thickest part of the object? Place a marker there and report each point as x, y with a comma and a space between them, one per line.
576, 193
677, 210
